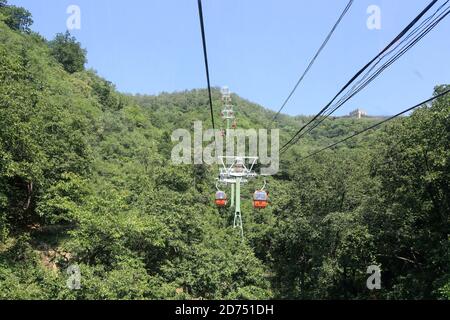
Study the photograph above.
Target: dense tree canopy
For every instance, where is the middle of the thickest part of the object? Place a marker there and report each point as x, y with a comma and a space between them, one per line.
67, 51
85, 179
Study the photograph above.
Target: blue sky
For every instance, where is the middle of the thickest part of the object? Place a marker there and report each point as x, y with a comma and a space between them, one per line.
256, 47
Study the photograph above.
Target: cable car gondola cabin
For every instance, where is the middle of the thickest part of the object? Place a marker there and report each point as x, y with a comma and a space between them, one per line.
260, 199
221, 199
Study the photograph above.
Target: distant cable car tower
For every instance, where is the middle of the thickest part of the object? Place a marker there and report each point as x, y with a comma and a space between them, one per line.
227, 112
228, 115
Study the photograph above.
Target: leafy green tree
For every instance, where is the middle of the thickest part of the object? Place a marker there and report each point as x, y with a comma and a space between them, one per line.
16, 18
67, 51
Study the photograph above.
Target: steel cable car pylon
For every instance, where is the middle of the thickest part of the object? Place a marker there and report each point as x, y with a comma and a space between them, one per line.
236, 170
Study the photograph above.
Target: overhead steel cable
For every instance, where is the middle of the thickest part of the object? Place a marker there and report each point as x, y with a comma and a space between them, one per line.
411, 34
377, 124
361, 71
205, 55
297, 136
425, 30
325, 42
358, 87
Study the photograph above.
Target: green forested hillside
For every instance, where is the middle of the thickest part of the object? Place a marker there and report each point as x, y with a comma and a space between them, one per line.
86, 179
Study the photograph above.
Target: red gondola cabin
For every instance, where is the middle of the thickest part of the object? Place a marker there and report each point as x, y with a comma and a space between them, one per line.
221, 199
260, 199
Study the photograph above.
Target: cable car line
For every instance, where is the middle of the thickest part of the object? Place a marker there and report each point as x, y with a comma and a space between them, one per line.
205, 55
358, 87
239, 173
403, 41
349, 95
377, 124
297, 136
388, 53
410, 26
428, 28
325, 42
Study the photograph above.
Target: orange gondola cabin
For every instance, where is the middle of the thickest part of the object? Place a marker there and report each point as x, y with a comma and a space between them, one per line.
260, 199
221, 199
